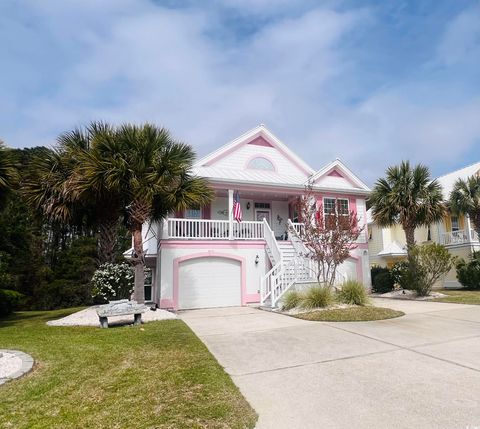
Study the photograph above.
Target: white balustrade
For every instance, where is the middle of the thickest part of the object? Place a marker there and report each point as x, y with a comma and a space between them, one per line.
211, 229
458, 237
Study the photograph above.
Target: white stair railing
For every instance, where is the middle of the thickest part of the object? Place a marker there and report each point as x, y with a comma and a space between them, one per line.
269, 281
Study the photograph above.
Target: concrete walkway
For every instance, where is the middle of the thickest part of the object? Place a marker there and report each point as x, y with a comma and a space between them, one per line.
418, 371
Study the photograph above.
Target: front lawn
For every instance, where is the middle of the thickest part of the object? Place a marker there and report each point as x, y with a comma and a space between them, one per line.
460, 296
159, 375
351, 314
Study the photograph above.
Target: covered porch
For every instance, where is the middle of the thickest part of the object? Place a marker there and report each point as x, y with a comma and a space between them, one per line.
261, 210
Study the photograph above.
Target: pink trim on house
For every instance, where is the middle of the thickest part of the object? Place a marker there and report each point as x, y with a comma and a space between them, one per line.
206, 212
209, 254
218, 244
334, 173
252, 298
166, 303
260, 141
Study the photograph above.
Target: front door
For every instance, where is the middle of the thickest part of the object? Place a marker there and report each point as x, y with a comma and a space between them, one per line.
261, 214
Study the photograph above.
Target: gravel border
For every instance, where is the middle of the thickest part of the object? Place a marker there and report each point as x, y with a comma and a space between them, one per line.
27, 364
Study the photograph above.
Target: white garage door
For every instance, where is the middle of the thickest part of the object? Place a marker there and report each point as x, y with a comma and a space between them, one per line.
209, 282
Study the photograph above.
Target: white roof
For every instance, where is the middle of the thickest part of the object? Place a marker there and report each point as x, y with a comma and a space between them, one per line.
393, 249
448, 180
249, 135
261, 176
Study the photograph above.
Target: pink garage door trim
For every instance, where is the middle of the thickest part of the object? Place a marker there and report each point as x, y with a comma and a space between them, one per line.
209, 254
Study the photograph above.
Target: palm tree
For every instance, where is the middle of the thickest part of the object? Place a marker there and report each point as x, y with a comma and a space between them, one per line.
465, 199
8, 173
409, 197
150, 172
51, 187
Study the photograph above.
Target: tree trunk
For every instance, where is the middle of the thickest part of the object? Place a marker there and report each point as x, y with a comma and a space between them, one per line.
475, 219
108, 231
409, 236
138, 263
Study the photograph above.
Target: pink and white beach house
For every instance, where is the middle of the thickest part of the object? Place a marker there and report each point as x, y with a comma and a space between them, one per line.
204, 258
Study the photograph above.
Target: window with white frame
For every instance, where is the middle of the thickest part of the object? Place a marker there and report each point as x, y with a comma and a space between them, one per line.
336, 205
195, 213
455, 224
260, 163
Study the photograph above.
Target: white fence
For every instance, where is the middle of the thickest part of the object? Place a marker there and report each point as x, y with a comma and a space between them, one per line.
207, 229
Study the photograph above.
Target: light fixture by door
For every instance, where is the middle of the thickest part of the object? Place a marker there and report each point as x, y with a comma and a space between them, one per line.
248, 205
257, 259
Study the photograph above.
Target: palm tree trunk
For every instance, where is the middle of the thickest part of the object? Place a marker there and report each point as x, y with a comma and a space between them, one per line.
108, 236
138, 263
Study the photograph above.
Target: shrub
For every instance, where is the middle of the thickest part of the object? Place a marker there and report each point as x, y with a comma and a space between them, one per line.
376, 270
113, 281
353, 292
291, 299
399, 273
428, 264
10, 301
383, 282
317, 297
468, 273
62, 293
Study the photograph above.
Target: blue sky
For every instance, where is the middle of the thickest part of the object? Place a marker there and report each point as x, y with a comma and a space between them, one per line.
370, 82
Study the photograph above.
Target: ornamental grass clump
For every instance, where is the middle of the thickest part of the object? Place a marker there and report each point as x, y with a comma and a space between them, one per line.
317, 297
353, 292
112, 282
291, 300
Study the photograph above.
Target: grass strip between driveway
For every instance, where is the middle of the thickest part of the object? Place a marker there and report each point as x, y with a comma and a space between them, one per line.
460, 296
159, 375
351, 314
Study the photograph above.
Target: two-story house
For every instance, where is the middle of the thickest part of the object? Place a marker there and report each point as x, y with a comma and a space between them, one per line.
203, 257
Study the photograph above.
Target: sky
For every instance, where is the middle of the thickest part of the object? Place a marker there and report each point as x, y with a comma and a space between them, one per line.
369, 82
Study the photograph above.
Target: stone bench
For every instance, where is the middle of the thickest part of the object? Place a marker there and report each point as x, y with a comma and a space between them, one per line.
122, 307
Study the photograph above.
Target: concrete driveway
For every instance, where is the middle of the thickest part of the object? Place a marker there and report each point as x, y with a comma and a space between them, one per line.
418, 371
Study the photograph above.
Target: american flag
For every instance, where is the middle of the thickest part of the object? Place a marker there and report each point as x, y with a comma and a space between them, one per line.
237, 208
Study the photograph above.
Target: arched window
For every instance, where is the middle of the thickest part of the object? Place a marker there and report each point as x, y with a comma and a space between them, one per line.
261, 163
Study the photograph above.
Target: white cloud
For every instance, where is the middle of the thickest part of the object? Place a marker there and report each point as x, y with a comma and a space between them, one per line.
461, 41
133, 61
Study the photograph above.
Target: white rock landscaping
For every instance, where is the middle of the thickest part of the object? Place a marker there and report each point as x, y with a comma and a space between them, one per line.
14, 364
89, 317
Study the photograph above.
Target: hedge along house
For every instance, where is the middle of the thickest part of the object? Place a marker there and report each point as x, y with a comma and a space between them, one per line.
203, 257
388, 245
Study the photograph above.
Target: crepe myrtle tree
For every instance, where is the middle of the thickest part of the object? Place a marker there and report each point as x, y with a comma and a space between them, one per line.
150, 174
329, 235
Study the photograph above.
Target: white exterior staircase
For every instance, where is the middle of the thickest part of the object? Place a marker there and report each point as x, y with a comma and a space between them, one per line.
288, 267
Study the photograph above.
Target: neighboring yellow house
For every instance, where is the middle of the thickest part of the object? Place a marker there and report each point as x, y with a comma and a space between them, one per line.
388, 245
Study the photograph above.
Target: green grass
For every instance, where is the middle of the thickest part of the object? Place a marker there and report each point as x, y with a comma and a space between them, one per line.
159, 375
460, 296
351, 314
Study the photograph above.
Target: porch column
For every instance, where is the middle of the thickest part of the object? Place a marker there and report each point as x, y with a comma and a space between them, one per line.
468, 227
230, 214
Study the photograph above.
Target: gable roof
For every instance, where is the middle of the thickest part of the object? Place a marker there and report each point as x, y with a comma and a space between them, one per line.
393, 249
252, 136
448, 180
338, 165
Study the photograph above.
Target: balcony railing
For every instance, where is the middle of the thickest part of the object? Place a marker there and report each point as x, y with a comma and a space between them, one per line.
210, 229
458, 237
